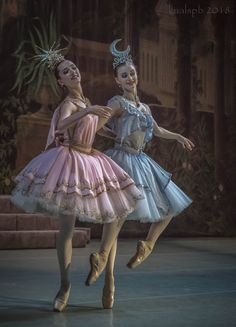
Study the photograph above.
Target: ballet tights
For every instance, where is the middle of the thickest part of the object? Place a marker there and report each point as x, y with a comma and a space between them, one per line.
109, 239
154, 233
64, 248
109, 273
64, 245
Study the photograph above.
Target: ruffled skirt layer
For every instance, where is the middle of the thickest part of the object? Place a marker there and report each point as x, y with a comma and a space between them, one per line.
162, 198
62, 182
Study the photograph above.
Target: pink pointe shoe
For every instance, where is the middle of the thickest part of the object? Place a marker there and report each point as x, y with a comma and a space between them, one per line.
108, 294
144, 249
61, 300
97, 265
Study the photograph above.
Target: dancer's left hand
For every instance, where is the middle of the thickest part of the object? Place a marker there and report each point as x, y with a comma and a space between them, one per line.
186, 143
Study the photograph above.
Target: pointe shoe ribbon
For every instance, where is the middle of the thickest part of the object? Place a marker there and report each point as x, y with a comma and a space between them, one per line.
61, 301
144, 249
97, 265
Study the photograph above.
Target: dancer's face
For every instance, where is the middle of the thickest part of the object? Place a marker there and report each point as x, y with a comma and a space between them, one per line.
68, 74
127, 77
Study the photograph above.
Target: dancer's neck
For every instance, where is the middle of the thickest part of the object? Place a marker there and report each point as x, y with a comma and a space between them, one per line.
132, 96
77, 93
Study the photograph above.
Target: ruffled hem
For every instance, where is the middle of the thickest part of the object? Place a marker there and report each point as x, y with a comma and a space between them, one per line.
29, 180
150, 211
105, 208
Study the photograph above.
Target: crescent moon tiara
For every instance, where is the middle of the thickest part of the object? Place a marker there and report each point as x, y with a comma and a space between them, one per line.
120, 57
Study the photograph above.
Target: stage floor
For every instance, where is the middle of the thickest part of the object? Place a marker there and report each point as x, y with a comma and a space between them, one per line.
185, 282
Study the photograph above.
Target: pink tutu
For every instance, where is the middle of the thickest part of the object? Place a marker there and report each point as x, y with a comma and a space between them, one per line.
64, 181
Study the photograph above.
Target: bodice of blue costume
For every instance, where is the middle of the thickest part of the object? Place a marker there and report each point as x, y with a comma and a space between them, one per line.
134, 128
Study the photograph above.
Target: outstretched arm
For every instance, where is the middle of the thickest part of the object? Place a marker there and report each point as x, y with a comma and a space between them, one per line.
165, 134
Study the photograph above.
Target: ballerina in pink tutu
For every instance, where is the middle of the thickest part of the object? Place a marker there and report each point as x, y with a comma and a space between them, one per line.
70, 179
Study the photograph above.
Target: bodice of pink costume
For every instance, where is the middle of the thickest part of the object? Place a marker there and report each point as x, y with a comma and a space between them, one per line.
83, 133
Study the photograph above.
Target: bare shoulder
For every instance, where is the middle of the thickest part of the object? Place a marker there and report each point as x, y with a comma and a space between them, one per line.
67, 108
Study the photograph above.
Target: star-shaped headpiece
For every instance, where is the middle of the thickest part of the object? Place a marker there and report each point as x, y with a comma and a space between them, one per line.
51, 57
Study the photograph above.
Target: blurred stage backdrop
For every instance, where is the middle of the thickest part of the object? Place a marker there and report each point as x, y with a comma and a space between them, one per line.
185, 55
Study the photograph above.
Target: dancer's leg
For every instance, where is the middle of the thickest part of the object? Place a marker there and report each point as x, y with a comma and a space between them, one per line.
111, 261
109, 235
98, 261
144, 248
109, 285
156, 229
64, 254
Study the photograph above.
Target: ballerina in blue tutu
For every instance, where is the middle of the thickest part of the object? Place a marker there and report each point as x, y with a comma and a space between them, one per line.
133, 126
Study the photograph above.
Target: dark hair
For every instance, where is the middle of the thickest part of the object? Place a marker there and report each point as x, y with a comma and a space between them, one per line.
115, 70
64, 91
56, 71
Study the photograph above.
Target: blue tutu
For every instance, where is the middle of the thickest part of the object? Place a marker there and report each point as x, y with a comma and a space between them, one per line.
162, 198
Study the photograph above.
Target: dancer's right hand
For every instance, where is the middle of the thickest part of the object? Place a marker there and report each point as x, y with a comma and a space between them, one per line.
101, 111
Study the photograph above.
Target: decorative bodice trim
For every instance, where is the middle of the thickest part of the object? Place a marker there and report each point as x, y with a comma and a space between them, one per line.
131, 120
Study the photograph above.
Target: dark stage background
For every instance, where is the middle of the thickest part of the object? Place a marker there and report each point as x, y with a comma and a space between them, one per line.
185, 55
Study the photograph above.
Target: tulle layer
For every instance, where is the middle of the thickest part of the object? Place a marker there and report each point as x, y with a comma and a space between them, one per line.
64, 182
162, 198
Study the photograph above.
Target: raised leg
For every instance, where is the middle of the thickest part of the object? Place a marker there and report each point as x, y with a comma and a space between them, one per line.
64, 254
98, 260
156, 229
144, 248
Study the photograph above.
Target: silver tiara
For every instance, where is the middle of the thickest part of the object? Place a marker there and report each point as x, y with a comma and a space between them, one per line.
51, 57
120, 57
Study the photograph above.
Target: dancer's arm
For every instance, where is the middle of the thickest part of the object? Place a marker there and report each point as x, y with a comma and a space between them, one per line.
115, 111
165, 134
103, 119
69, 114
103, 112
